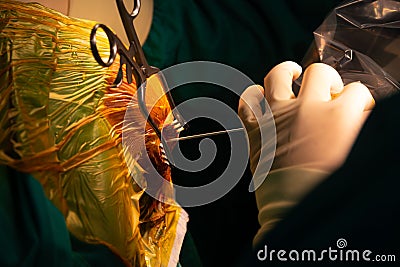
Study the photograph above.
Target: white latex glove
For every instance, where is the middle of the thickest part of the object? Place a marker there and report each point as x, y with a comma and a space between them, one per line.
313, 130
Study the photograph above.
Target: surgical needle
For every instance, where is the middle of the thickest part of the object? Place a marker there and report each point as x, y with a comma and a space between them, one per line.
205, 134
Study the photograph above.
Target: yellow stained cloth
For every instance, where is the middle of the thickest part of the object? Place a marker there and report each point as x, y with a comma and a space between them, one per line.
57, 123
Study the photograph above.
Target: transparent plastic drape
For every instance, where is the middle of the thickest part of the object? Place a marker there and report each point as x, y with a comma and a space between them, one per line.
361, 40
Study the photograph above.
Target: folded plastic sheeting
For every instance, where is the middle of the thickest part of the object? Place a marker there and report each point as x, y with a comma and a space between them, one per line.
61, 121
361, 39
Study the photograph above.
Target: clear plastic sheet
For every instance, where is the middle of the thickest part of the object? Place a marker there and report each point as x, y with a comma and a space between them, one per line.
361, 40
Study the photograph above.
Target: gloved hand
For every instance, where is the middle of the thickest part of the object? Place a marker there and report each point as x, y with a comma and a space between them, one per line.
317, 128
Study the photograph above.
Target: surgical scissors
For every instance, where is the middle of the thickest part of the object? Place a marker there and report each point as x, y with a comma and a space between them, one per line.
136, 65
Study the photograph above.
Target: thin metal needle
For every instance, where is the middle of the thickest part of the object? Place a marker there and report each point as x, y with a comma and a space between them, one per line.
205, 134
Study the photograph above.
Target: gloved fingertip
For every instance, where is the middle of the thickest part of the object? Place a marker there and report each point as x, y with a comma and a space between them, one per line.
368, 98
291, 67
249, 103
320, 82
358, 95
278, 82
254, 91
